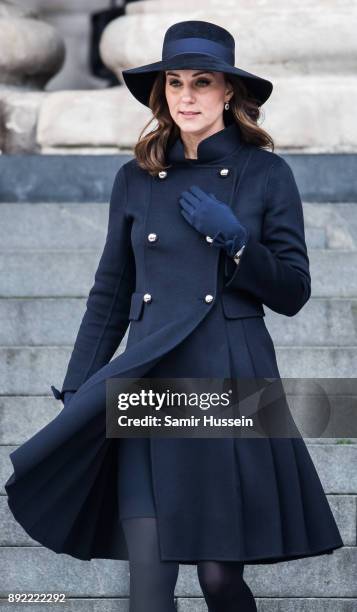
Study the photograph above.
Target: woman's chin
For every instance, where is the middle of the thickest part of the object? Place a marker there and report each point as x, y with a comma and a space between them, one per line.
190, 125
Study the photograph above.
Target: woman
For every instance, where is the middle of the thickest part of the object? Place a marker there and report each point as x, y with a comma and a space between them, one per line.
205, 226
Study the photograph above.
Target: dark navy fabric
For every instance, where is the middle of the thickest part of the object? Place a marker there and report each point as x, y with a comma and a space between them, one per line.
135, 489
252, 500
134, 478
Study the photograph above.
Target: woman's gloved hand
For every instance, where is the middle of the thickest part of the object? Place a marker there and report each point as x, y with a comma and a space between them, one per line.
214, 219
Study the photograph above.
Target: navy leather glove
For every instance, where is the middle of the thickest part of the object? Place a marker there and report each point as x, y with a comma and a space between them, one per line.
214, 219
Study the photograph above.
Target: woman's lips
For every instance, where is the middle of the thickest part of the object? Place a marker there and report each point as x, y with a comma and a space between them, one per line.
189, 113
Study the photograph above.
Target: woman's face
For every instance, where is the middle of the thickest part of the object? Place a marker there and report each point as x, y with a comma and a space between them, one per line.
200, 93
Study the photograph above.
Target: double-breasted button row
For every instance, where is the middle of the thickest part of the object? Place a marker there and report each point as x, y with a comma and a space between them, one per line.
223, 172
148, 298
153, 237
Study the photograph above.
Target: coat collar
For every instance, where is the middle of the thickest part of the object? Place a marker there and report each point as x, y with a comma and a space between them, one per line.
210, 149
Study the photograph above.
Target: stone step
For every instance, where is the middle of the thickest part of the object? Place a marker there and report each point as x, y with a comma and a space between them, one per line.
316, 362
198, 604
335, 464
274, 604
53, 226
31, 370
37, 273
343, 508
315, 238
53, 321
338, 221
36, 569
62, 176
321, 322
60, 226
40, 321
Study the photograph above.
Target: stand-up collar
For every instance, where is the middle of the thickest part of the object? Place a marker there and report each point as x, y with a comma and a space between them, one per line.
214, 147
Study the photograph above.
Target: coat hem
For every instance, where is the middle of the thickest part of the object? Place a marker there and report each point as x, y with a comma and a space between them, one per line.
118, 555
257, 560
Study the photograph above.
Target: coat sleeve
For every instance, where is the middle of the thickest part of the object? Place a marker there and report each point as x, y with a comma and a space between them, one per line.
107, 308
276, 270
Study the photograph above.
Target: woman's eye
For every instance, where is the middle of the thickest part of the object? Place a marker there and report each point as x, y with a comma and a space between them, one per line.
206, 81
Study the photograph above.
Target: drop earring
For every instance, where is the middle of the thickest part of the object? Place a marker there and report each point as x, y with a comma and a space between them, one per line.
226, 106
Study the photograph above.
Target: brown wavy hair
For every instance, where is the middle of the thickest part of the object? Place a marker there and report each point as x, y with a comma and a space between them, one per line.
150, 150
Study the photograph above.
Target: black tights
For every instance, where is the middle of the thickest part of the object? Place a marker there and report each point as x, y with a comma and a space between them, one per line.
224, 588
152, 581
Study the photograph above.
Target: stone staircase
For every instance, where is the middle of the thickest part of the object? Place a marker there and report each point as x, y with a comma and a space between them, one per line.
49, 253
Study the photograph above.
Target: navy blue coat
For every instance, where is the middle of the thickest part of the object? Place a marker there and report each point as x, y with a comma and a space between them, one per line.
256, 500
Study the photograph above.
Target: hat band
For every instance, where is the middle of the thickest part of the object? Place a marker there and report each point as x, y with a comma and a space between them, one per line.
198, 45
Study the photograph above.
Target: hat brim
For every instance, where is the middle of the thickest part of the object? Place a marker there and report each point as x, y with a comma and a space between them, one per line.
141, 79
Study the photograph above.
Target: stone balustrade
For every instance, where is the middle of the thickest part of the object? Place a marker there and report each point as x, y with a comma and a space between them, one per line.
308, 50
31, 51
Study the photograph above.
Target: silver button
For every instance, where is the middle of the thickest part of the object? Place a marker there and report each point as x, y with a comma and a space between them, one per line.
209, 239
147, 297
224, 172
152, 237
162, 174
208, 298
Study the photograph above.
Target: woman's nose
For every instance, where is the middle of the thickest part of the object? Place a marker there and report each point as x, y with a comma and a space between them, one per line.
187, 96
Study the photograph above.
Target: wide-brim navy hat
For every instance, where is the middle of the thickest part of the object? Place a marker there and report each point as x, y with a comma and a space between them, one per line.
195, 45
